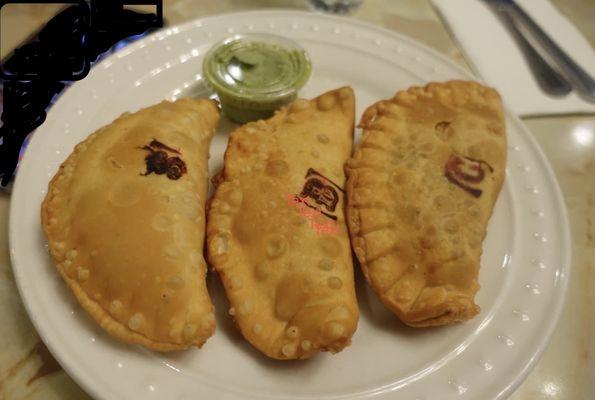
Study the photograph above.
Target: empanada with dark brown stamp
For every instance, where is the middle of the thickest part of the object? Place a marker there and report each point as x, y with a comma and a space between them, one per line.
421, 187
276, 230
125, 222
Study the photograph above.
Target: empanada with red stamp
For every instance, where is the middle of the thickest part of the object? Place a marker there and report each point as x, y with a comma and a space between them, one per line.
421, 188
276, 230
125, 222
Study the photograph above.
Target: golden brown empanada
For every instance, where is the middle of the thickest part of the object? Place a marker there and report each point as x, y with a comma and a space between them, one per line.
124, 218
276, 231
421, 187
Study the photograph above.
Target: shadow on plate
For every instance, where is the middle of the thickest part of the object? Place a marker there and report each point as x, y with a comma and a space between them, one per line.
379, 316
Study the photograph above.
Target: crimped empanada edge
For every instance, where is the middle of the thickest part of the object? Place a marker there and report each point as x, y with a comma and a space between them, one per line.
221, 226
61, 181
455, 310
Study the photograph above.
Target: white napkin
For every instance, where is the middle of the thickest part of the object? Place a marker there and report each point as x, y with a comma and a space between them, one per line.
494, 55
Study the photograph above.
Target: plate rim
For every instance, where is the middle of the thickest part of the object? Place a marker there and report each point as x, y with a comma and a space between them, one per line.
564, 249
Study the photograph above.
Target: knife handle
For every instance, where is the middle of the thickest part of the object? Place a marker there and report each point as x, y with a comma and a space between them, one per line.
578, 77
547, 77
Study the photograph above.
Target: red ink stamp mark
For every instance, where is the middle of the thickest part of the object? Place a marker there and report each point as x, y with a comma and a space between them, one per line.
317, 202
319, 221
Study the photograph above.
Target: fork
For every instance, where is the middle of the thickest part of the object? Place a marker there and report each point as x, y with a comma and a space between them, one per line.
578, 78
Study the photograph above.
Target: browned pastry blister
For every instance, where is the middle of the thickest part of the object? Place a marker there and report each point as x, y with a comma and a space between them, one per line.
125, 222
421, 188
276, 230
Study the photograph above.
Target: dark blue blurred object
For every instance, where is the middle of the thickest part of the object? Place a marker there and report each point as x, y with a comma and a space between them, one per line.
62, 52
58, 52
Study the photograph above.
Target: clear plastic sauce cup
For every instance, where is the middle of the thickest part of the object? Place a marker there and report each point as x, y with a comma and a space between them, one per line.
256, 74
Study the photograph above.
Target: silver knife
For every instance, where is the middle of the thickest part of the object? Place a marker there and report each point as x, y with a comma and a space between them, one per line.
549, 80
580, 80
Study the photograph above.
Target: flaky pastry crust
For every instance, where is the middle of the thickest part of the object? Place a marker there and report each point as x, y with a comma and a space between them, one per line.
421, 188
276, 230
124, 220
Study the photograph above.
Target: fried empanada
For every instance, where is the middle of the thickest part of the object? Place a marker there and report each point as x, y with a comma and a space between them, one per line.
276, 229
125, 222
421, 187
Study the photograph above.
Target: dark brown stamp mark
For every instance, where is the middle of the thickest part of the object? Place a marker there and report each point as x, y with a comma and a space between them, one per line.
158, 161
321, 191
466, 172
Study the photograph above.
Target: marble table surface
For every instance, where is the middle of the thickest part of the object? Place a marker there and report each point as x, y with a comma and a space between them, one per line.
567, 369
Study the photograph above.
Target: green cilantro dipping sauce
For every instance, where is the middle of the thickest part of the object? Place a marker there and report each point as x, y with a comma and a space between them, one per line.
255, 74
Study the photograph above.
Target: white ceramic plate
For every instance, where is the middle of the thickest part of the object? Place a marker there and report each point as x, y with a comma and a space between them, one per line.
524, 270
